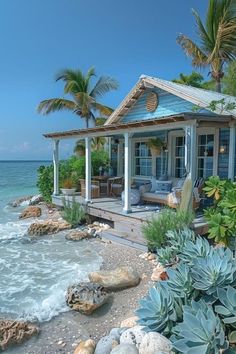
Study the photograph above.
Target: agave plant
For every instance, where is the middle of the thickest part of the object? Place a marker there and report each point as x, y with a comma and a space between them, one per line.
227, 310
198, 249
181, 283
159, 310
166, 256
216, 270
201, 331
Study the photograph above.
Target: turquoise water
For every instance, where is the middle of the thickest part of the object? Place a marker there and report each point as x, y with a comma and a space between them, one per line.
35, 273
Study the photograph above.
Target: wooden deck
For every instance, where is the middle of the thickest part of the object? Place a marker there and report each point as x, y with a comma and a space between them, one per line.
124, 226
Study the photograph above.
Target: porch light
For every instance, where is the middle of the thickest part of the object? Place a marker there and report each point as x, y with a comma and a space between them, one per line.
222, 149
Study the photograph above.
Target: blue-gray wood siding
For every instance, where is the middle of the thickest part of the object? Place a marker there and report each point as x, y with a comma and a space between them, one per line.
169, 104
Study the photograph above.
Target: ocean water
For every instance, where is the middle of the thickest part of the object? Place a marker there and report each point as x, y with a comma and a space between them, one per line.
35, 273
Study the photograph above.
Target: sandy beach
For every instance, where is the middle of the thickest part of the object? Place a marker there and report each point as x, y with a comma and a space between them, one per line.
61, 334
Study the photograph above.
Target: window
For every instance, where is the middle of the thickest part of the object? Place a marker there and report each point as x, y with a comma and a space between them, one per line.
179, 156
143, 159
205, 155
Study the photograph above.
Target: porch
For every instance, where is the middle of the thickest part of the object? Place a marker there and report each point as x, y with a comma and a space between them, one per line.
127, 228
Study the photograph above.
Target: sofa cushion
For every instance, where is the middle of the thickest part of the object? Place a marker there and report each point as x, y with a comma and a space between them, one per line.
145, 188
163, 186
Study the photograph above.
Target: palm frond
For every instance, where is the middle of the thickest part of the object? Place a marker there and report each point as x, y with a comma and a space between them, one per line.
90, 73
55, 104
104, 110
84, 104
199, 58
104, 85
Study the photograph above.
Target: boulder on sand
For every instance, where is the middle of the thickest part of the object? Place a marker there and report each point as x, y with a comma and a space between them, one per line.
31, 212
125, 348
47, 227
86, 297
154, 342
15, 332
85, 347
20, 201
119, 278
77, 235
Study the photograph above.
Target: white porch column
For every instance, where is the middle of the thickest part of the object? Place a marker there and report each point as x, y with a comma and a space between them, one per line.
127, 174
232, 142
88, 169
56, 167
191, 150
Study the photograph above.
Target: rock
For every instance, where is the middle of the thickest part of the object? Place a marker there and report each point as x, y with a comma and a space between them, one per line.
143, 255
77, 235
15, 332
151, 257
86, 297
158, 273
36, 199
106, 344
31, 212
85, 347
129, 322
121, 277
133, 336
125, 348
154, 342
47, 227
20, 201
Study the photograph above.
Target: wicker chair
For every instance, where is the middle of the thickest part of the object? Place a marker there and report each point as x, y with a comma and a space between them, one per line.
115, 186
95, 188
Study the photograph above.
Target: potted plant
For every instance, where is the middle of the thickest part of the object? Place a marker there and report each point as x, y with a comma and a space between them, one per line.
79, 148
68, 187
156, 145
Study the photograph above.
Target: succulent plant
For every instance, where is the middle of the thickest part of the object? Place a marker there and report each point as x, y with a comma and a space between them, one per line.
166, 256
181, 283
178, 238
201, 331
159, 310
191, 250
216, 270
227, 310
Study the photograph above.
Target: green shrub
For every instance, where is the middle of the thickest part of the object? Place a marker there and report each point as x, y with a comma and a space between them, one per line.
155, 230
73, 212
73, 168
45, 182
222, 217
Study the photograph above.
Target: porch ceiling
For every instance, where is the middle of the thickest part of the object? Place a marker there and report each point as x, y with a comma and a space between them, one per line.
165, 123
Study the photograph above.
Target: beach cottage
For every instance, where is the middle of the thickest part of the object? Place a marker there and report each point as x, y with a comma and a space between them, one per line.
161, 132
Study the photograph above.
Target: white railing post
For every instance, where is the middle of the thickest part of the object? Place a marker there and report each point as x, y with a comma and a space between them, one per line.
127, 175
232, 142
55, 167
88, 169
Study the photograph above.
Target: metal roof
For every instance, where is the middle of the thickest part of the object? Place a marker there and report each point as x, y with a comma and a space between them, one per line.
197, 96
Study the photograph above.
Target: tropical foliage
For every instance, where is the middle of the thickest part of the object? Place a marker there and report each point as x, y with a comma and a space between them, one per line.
196, 305
222, 217
72, 169
83, 95
73, 212
217, 39
155, 230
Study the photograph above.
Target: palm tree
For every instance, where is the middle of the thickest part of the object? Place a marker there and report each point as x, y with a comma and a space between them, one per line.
194, 79
84, 96
217, 39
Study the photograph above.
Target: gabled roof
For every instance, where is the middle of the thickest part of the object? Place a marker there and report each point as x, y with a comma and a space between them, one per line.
197, 96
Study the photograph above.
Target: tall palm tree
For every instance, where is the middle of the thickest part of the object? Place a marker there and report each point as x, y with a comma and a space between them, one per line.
217, 39
84, 95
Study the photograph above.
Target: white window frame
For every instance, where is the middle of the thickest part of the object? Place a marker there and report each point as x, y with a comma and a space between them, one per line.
215, 132
141, 140
171, 148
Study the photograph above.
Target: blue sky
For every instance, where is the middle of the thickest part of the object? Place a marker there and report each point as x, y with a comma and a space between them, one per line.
122, 39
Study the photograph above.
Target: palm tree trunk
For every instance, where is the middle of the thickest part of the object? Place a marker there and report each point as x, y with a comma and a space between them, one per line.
218, 85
